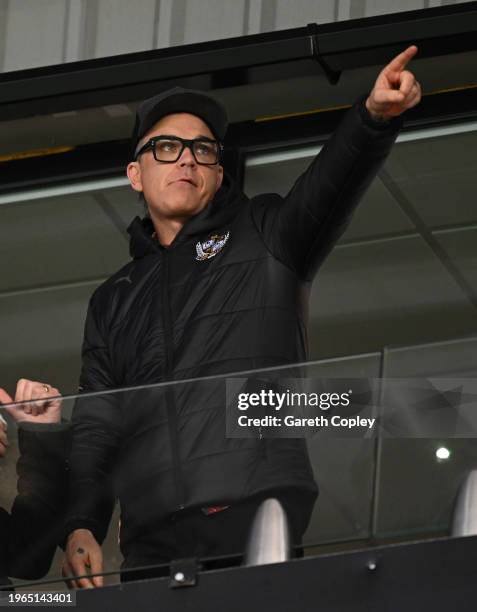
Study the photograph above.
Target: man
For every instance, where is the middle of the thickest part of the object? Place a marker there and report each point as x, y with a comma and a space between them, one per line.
217, 284
30, 532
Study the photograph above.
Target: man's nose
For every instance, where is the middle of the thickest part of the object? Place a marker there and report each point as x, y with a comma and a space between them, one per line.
187, 158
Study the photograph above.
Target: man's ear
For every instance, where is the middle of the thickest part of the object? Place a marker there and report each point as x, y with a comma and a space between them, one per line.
134, 175
220, 178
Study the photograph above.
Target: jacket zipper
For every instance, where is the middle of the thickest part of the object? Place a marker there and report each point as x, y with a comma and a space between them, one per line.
168, 370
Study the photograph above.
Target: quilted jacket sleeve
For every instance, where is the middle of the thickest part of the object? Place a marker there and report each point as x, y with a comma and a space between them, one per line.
301, 229
96, 435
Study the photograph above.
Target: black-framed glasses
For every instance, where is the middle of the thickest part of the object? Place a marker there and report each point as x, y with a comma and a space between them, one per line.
168, 149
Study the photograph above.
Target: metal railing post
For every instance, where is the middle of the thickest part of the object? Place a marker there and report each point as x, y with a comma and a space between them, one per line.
464, 519
269, 538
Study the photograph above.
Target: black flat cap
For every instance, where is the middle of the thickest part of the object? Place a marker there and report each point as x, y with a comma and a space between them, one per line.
179, 100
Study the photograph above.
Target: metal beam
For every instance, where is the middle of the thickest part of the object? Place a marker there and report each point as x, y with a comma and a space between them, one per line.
49, 288
112, 214
428, 236
342, 46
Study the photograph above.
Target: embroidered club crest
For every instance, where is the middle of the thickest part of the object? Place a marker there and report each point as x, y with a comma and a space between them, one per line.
212, 246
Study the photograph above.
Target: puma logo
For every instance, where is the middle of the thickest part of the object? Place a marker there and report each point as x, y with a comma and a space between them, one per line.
123, 278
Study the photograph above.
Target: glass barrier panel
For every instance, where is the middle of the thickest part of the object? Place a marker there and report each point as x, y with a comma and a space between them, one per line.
419, 478
139, 477
133, 466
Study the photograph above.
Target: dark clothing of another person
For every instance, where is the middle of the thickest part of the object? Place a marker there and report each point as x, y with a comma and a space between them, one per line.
30, 533
174, 313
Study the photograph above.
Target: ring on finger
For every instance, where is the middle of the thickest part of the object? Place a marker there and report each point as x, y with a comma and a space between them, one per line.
46, 387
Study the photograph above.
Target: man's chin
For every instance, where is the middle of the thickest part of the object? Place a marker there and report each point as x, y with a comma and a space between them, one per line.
181, 208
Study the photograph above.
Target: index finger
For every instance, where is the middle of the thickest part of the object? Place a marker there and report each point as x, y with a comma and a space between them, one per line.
400, 61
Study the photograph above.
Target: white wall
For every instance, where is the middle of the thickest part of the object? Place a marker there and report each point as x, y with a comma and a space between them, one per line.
45, 32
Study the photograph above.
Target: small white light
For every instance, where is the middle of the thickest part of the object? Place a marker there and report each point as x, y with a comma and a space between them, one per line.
443, 453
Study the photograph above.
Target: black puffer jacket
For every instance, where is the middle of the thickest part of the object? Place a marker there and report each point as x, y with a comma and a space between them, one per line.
172, 314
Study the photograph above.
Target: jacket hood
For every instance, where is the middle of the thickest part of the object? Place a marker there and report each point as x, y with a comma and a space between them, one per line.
220, 211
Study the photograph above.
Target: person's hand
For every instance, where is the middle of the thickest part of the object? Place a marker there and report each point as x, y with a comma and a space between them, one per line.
48, 410
83, 555
3, 437
396, 89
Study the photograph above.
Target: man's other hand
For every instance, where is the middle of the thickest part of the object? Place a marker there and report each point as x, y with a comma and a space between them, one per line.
46, 410
83, 555
396, 89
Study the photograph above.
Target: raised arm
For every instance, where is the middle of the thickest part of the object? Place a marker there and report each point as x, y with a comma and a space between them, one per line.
301, 229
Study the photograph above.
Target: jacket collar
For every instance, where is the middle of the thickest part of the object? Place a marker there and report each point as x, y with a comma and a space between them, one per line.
219, 212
